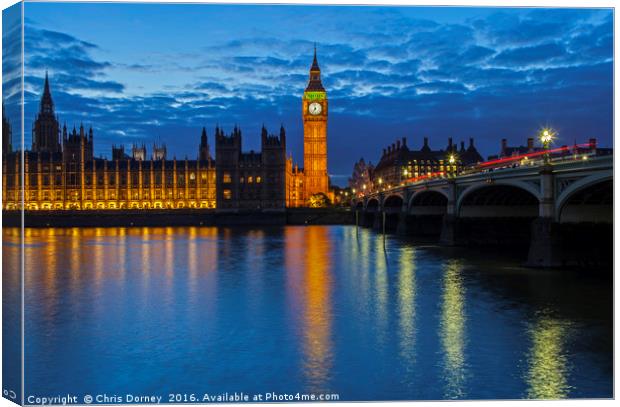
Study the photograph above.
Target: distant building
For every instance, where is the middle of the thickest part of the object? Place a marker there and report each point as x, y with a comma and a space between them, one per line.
399, 163
591, 147
250, 180
512, 151
362, 175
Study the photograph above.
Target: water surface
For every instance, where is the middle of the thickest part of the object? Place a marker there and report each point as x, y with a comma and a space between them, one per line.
304, 309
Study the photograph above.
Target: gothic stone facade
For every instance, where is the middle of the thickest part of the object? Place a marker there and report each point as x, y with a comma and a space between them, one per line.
61, 171
250, 180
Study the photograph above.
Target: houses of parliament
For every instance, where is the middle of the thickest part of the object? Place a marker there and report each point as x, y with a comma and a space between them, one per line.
62, 173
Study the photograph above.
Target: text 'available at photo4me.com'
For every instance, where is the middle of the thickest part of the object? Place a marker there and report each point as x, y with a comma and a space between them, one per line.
176, 398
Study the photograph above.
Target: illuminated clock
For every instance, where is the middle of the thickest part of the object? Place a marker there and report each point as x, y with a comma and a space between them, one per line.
315, 108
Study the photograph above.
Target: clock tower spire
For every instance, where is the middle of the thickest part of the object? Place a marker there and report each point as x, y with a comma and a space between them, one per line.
314, 113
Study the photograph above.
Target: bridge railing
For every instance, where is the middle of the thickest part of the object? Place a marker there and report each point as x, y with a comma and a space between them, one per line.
560, 155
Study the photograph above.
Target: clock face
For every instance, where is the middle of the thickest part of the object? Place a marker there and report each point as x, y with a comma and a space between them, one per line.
315, 108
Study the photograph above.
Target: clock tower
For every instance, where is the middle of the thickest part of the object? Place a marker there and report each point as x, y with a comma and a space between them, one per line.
314, 112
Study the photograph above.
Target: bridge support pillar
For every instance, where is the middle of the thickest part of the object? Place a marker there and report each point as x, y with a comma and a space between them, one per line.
545, 240
545, 244
378, 221
451, 208
363, 219
448, 235
547, 201
402, 228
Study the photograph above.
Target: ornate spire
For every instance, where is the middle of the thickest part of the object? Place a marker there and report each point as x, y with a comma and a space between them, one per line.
47, 105
315, 63
315, 85
46, 87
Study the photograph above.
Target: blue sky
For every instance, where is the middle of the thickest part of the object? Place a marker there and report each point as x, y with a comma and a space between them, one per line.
141, 72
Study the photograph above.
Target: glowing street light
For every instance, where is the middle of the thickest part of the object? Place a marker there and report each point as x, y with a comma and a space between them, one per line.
452, 159
546, 137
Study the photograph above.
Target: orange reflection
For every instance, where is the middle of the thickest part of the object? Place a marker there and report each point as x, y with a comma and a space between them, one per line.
313, 246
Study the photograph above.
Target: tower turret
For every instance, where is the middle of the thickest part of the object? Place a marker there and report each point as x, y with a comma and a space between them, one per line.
46, 128
204, 153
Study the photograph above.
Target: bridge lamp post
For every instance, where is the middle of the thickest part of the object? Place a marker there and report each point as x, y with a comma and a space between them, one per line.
546, 137
451, 162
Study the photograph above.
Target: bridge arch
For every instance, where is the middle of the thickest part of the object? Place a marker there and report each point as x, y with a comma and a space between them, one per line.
372, 204
499, 199
393, 201
392, 207
589, 199
428, 202
577, 187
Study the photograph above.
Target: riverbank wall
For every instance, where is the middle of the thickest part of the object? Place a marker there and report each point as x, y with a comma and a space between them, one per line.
178, 217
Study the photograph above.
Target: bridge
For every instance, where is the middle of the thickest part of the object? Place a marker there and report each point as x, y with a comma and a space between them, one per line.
562, 210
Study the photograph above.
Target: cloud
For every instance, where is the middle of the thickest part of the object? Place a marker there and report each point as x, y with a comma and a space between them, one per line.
505, 74
529, 55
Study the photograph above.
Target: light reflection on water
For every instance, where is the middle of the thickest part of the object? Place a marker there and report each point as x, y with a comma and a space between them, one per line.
308, 309
548, 365
452, 329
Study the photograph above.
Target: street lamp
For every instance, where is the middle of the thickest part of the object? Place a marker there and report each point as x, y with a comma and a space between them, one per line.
546, 137
450, 170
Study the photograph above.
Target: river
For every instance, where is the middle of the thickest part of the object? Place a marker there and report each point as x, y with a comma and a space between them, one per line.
312, 310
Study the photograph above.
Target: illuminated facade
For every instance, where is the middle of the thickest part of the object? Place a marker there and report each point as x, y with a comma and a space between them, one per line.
295, 196
399, 163
314, 112
52, 183
304, 184
62, 173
